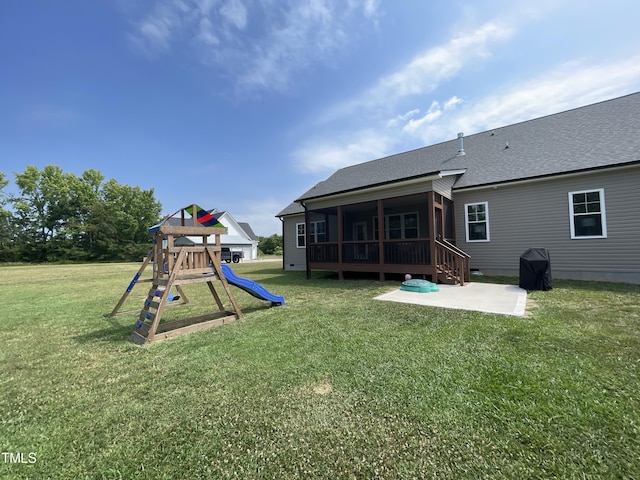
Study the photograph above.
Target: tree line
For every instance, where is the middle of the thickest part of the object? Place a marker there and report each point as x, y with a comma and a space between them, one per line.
59, 216
270, 245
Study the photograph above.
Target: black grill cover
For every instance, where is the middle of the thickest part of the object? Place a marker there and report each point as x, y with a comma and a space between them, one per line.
535, 269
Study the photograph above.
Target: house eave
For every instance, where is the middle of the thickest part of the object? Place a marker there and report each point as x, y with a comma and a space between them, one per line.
448, 173
287, 215
381, 187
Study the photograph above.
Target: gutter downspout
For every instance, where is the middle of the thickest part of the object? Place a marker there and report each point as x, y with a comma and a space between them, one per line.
283, 242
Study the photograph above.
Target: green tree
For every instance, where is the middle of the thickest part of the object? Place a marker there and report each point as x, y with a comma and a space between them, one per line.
120, 222
8, 249
31, 210
270, 245
70, 199
3, 183
61, 216
52, 211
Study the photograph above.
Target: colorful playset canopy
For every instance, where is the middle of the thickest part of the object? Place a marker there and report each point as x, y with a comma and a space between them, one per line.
201, 217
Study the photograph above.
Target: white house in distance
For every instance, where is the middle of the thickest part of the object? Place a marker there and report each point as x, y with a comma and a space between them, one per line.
239, 237
568, 182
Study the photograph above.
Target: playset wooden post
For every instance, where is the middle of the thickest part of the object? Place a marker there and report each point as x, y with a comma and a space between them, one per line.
176, 266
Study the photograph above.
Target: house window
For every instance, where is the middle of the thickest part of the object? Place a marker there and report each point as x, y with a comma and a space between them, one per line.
410, 225
318, 231
393, 227
587, 214
398, 226
477, 221
300, 235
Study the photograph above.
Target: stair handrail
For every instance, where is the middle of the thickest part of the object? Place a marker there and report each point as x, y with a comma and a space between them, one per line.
451, 246
464, 274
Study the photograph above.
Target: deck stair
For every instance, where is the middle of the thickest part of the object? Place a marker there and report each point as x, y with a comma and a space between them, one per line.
452, 264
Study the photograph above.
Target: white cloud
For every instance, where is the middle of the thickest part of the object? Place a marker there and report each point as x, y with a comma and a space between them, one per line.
402, 118
372, 10
452, 103
432, 115
260, 215
427, 71
235, 13
436, 65
319, 155
205, 6
207, 33
286, 37
310, 31
568, 86
156, 31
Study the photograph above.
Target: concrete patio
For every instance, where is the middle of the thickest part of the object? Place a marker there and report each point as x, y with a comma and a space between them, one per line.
481, 297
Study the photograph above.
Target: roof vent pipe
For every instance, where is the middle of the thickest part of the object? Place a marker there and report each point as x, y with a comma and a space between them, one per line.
460, 145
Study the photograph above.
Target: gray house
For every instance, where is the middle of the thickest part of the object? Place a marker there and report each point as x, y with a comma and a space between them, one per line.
568, 182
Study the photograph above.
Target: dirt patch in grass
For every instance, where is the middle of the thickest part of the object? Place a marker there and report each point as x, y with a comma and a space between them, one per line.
531, 307
323, 388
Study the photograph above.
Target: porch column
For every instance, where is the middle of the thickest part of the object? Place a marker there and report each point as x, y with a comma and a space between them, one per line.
381, 234
340, 237
284, 242
307, 236
432, 233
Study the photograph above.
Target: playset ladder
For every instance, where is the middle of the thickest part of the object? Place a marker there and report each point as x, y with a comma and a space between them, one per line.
136, 279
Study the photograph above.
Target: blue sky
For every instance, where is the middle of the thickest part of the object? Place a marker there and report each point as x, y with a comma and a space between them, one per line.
242, 105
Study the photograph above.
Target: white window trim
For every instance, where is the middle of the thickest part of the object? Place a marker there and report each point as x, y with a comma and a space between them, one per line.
402, 225
466, 221
298, 235
603, 215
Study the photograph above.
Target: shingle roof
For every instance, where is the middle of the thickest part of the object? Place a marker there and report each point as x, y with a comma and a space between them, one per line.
601, 135
248, 230
291, 209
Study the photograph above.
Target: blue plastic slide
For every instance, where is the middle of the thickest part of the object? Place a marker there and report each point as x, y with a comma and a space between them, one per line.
251, 287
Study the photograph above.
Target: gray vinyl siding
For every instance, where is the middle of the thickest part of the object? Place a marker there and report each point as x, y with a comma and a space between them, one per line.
443, 185
536, 214
294, 258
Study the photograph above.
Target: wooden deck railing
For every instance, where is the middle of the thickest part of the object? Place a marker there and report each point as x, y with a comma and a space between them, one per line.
407, 252
323, 252
360, 252
453, 263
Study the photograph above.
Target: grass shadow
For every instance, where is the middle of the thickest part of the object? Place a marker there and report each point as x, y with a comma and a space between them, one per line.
613, 287
114, 333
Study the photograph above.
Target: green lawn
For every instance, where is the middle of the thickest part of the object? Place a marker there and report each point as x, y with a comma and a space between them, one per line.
333, 385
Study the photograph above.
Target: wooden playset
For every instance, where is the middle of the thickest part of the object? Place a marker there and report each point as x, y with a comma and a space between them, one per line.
176, 266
